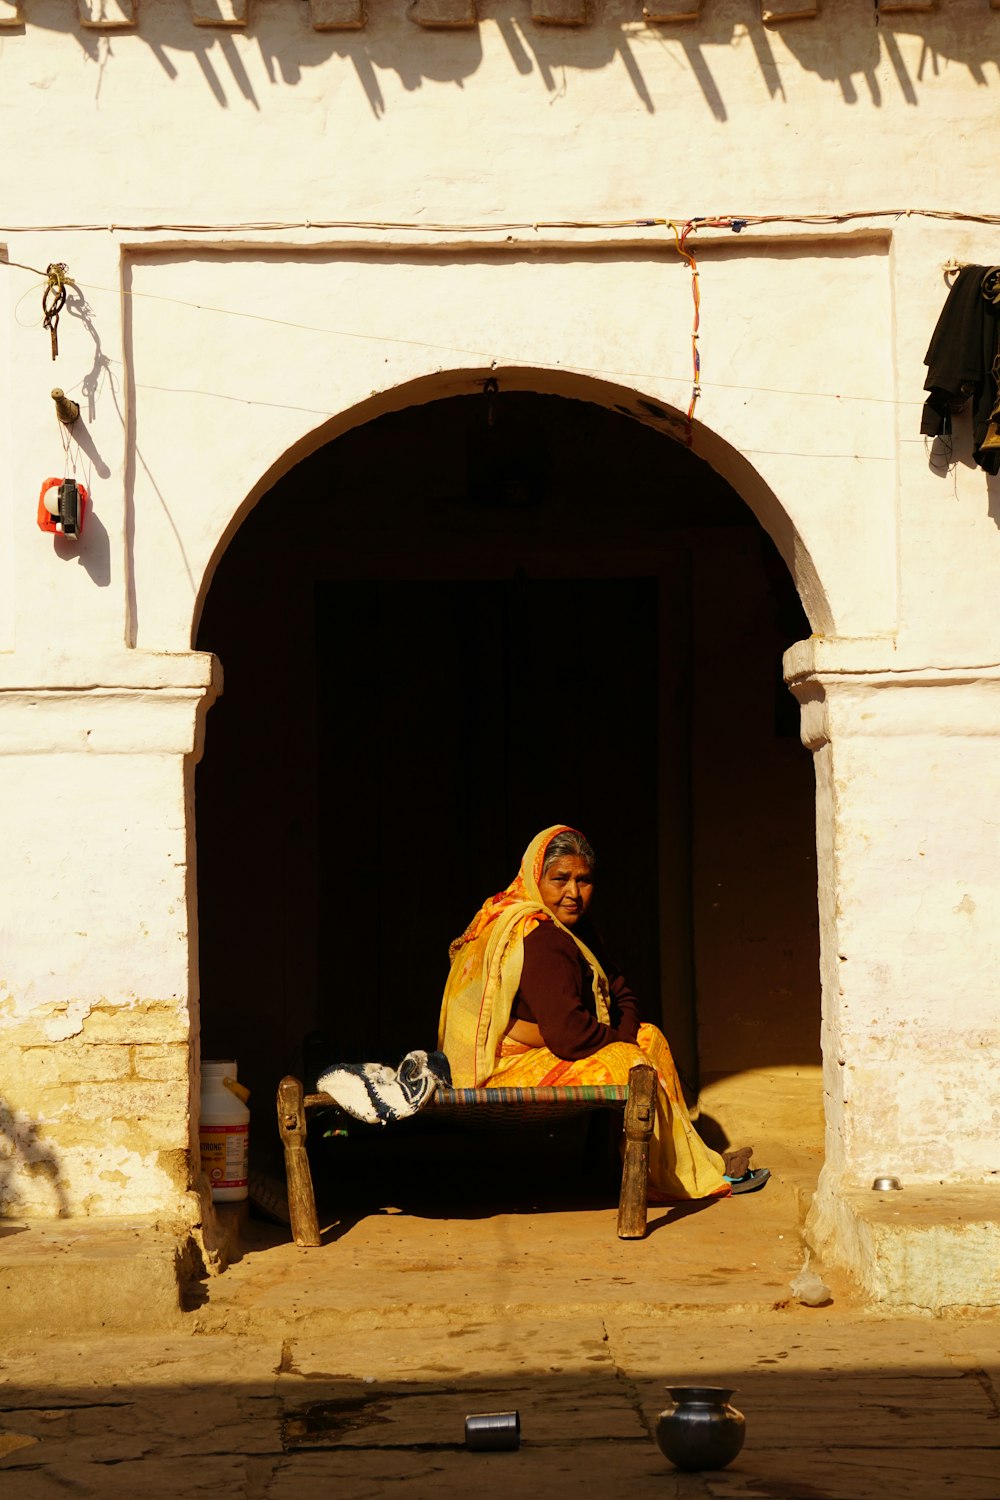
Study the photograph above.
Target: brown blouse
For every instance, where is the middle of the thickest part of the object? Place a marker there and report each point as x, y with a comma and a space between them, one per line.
556, 994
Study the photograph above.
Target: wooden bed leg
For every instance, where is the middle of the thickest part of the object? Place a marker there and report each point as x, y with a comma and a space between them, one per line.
292, 1129
640, 1110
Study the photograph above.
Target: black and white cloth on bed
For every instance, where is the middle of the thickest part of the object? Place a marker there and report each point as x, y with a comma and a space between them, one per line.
377, 1094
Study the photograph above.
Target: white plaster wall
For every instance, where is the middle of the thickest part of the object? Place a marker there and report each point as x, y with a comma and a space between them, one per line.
96, 994
68, 600
811, 366
214, 338
910, 920
341, 328
7, 507
510, 119
949, 527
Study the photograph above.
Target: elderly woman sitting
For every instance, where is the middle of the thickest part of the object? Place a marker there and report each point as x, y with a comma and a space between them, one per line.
531, 1001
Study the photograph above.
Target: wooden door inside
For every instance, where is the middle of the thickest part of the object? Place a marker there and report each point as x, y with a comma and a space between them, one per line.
458, 717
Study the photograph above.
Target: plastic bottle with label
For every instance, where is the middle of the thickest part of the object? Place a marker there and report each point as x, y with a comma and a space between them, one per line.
224, 1132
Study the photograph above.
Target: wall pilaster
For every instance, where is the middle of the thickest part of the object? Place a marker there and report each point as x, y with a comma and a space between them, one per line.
908, 811
98, 990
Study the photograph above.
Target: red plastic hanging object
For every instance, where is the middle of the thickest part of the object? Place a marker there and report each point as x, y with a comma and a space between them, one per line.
70, 508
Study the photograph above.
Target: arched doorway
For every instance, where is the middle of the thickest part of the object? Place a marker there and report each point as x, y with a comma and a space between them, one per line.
455, 624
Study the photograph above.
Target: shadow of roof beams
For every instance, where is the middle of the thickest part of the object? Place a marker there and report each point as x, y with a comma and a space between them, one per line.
350, 15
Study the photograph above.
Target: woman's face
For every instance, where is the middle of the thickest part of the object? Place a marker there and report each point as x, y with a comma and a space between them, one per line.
567, 887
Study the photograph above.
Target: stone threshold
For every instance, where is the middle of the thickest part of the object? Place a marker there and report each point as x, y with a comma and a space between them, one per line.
81, 1276
931, 1248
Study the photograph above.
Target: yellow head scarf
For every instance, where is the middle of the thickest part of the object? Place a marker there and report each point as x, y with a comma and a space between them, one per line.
486, 963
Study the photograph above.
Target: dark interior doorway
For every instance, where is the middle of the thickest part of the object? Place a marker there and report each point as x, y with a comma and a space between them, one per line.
429, 699
453, 626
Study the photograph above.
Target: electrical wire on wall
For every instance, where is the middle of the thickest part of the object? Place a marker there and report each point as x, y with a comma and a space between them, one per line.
413, 226
680, 235
56, 278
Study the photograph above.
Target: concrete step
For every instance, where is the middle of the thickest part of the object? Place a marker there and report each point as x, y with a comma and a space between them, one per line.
88, 1275
930, 1247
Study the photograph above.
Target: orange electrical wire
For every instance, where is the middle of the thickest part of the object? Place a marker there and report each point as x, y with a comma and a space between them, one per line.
680, 236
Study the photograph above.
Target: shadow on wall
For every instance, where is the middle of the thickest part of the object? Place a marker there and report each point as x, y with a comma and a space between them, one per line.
850, 45
841, 54
953, 451
82, 460
24, 1154
850, 48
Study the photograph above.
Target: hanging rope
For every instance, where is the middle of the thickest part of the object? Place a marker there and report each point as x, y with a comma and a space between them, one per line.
54, 300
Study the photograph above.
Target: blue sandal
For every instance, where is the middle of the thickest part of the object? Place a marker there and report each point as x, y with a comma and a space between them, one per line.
750, 1182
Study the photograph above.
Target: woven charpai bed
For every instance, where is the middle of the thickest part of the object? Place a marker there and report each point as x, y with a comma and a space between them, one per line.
487, 1106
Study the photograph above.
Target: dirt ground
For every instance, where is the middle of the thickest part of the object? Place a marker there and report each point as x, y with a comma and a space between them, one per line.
347, 1371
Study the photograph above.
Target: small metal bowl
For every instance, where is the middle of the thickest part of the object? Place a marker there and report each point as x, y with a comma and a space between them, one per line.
887, 1185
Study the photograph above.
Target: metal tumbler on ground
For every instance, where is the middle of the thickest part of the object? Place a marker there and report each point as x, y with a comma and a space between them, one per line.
493, 1431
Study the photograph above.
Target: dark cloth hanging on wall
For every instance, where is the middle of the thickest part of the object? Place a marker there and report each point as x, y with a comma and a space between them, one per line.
960, 361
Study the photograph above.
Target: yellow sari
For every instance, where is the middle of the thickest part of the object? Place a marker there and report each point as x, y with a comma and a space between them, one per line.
486, 963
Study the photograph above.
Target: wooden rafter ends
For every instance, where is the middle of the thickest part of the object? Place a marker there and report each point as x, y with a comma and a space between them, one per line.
660, 11
337, 15
454, 15
225, 13
106, 15
449, 15
788, 10
559, 12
